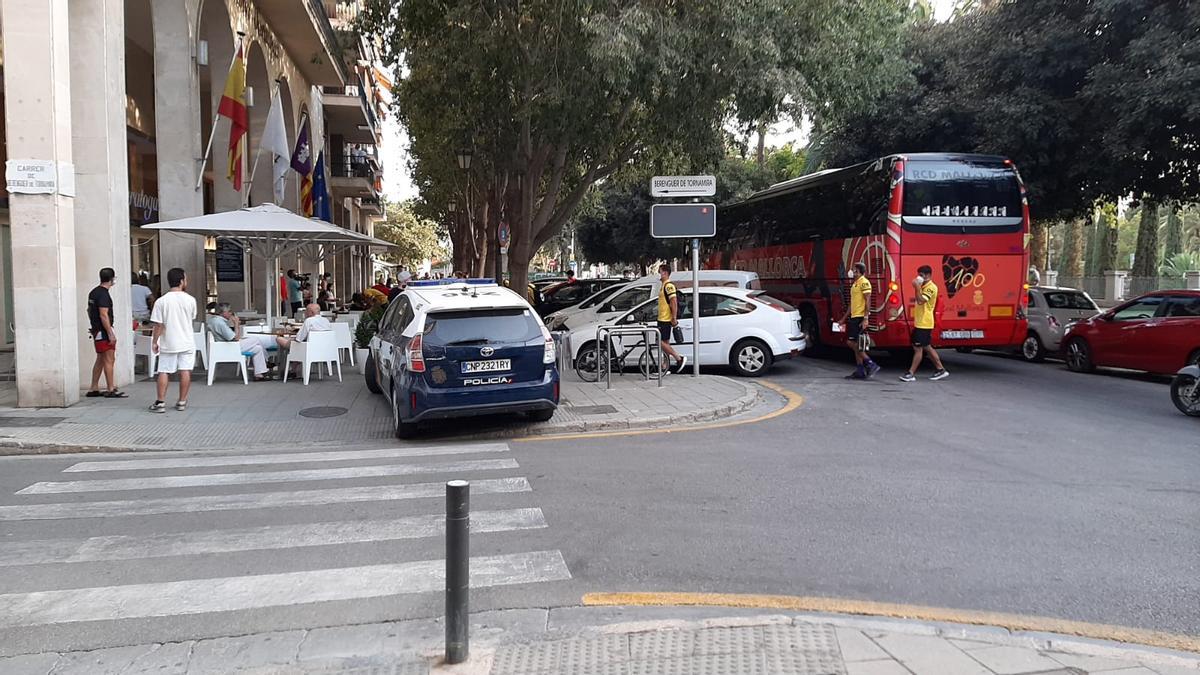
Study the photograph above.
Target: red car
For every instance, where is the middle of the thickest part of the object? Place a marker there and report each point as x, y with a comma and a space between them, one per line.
1158, 332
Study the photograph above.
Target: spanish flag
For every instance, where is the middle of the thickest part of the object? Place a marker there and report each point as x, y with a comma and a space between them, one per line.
233, 106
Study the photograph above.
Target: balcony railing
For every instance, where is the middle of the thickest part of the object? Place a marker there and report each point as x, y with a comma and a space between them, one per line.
352, 168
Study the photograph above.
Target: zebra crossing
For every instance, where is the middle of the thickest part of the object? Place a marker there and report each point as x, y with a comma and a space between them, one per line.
170, 537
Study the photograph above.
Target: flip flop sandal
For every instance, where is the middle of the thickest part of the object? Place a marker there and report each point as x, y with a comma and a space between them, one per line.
94, 394
115, 393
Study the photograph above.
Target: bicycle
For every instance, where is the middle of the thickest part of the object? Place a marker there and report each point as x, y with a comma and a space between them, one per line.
587, 365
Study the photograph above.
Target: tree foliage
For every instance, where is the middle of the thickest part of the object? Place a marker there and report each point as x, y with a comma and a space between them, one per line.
554, 97
1093, 99
416, 238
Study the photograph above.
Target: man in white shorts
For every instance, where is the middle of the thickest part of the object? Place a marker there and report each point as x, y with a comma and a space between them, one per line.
174, 340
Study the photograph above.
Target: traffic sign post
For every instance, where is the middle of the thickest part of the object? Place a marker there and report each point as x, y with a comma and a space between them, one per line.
683, 186
686, 221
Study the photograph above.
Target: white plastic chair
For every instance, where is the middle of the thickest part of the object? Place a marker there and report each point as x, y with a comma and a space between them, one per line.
351, 319
142, 347
225, 352
345, 340
320, 347
201, 345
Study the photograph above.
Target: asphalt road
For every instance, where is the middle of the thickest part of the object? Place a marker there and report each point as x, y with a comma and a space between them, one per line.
1010, 487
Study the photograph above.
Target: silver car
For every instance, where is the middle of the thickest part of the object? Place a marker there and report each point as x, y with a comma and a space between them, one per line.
1050, 310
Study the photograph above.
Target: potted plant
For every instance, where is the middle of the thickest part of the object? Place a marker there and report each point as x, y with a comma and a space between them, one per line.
368, 325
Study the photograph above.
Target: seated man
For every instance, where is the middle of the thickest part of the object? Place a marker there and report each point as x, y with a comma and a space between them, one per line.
225, 326
313, 321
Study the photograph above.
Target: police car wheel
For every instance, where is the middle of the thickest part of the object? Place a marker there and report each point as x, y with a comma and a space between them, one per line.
541, 415
371, 375
403, 429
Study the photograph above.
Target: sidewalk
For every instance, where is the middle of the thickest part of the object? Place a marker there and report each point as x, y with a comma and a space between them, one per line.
230, 414
623, 640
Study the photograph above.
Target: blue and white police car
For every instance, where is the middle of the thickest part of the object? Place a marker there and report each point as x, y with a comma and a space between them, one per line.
458, 348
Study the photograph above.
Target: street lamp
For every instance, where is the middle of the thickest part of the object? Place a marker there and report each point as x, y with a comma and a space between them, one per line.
464, 159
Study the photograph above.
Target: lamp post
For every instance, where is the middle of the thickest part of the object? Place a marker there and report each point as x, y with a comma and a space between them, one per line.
452, 207
464, 157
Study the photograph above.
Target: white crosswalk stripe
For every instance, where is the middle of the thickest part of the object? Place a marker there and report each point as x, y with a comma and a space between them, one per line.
198, 596
284, 458
253, 500
133, 547
251, 544
210, 479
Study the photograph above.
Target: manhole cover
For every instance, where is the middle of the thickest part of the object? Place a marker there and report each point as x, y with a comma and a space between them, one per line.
594, 409
323, 411
30, 421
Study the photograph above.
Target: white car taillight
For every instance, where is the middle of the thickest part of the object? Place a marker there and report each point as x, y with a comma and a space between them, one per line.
548, 354
416, 357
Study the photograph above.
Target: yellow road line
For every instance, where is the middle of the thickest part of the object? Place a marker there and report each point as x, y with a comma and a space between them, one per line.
794, 401
846, 606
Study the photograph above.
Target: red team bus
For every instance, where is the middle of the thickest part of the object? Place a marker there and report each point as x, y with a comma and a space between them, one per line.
966, 216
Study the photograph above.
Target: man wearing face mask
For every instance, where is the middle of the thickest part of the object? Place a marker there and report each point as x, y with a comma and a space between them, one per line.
855, 321
926, 293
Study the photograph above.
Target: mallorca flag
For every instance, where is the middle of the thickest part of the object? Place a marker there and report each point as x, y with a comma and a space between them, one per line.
302, 163
233, 106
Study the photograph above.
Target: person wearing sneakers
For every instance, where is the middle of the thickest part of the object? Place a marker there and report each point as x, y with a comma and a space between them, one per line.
173, 339
922, 336
668, 316
855, 321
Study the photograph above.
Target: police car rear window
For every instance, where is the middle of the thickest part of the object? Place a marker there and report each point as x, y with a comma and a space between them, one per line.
474, 325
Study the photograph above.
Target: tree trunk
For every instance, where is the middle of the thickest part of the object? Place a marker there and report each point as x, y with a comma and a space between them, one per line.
1107, 259
1073, 248
761, 154
1037, 245
1092, 244
1173, 241
1145, 256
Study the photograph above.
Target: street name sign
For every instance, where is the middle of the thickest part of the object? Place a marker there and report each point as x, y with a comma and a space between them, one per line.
683, 221
683, 186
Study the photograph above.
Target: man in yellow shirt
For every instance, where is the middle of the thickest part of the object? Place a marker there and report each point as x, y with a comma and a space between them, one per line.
922, 336
855, 321
668, 316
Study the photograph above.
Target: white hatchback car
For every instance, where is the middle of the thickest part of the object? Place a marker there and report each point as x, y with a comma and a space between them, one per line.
747, 330
614, 302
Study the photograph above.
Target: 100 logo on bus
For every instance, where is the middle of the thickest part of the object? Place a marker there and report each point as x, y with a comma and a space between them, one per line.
961, 273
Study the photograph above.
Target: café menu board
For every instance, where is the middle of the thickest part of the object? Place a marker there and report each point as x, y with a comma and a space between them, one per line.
230, 261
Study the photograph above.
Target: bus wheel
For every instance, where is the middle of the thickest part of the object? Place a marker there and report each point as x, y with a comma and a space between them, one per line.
812, 331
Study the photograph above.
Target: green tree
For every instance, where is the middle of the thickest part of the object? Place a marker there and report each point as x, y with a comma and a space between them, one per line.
416, 238
556, 97
1072, 260
1092, 100
1145, 255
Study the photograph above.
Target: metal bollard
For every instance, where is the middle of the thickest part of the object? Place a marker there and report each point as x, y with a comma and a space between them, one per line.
458, 583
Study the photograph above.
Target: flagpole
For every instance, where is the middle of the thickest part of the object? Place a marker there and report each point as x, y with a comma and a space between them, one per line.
258, 153
217, 115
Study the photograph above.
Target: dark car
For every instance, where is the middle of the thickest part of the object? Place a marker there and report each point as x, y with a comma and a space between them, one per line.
459, 348
568, 293
1158, 333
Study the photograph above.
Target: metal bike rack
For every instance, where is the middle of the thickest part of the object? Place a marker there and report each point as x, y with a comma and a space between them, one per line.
604, 335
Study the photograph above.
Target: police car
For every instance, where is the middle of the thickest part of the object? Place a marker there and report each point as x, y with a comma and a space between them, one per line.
458, 348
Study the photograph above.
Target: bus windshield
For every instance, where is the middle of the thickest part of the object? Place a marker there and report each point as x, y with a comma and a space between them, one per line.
961, 194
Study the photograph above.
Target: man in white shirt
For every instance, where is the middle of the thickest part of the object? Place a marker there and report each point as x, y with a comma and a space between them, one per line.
313, 321
225, 326
174, 339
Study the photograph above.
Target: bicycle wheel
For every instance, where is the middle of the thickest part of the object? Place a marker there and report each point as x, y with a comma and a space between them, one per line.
586, 365
645, 365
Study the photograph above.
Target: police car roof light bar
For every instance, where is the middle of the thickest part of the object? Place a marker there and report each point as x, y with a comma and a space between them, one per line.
450, 282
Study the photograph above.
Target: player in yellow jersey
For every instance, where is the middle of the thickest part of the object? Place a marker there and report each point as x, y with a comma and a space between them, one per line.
926, 293
668, 316
856, 320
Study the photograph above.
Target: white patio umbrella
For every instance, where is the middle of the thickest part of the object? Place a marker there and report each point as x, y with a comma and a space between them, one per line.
270, 232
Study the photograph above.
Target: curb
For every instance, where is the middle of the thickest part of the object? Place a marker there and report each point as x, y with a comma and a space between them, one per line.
751, 395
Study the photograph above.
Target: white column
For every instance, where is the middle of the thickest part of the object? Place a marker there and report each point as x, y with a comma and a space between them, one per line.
1193, 280
101, 169
37, 103
177, 141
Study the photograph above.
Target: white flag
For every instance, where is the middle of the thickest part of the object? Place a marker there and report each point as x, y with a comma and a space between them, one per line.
275, 140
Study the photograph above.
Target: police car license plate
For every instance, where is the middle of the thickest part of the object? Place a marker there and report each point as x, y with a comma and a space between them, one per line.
962, 335
493, 366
